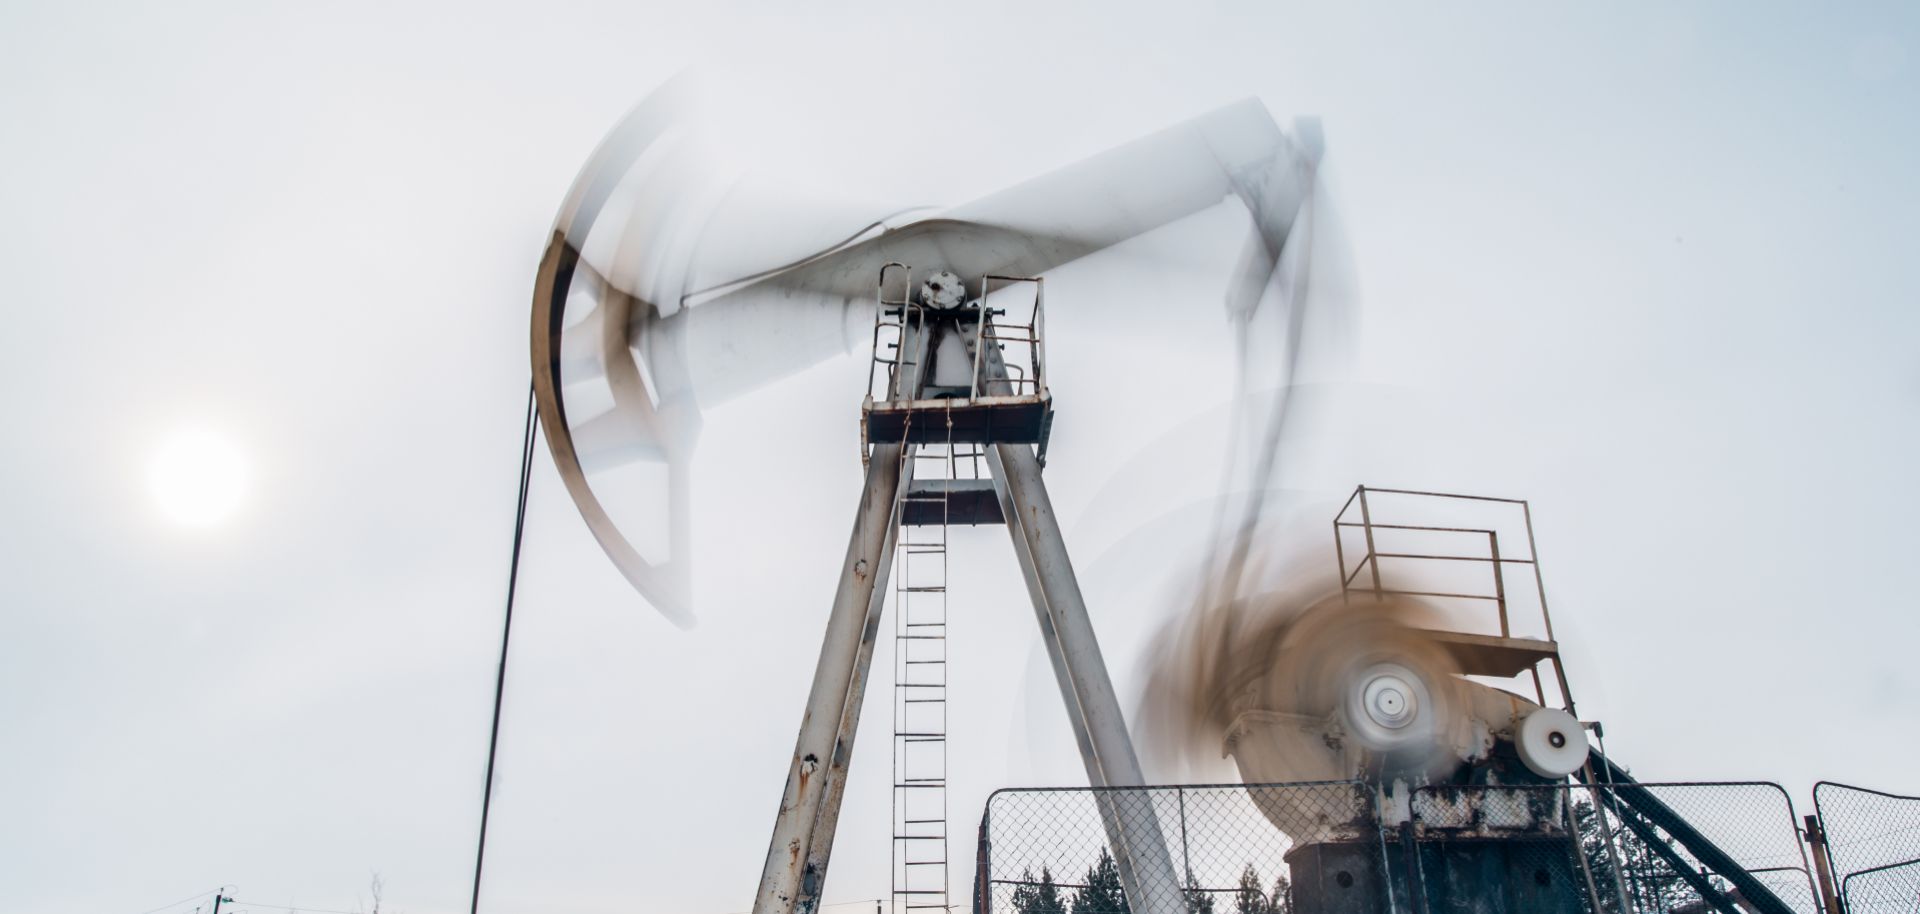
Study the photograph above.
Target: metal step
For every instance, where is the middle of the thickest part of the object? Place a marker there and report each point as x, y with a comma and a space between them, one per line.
1492, 655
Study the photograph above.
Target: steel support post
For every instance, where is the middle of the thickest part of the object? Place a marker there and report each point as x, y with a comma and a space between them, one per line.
796, 865
1822, 865
795, 871
1140, 850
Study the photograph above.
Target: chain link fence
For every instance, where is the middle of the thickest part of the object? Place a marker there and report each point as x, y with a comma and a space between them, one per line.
1337, 847
1873, 839
1180, 850
1615, 849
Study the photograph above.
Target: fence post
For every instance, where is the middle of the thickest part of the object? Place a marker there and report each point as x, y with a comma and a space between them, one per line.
1186, 861
1606, 831
1416, 877
983, 868
1822, 865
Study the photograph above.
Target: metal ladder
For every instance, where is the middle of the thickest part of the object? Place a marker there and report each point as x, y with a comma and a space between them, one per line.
921, 880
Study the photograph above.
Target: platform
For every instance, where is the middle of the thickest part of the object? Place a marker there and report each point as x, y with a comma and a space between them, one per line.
1492, 655
1024, 419
931, 502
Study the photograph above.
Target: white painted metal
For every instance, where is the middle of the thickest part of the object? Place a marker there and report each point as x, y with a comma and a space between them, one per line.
803, 830
816, 776
1551, 742
1146, 869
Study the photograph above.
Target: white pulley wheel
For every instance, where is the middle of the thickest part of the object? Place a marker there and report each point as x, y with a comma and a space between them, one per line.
1551, 743
1390, 708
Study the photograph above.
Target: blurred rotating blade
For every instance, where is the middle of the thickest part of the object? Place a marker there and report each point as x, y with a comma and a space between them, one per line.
1310, 689
643, 313
1233, 152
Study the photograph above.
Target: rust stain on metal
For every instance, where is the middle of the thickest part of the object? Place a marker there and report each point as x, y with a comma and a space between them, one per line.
1489, 811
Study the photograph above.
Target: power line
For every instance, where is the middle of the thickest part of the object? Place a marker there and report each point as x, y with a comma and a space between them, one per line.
288, 907
185, 900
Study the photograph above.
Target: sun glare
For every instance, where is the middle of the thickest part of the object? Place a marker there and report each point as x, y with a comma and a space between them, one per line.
199, 477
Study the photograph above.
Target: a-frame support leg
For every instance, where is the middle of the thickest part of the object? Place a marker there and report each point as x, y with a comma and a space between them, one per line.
816, 779
796, 867
1146, 868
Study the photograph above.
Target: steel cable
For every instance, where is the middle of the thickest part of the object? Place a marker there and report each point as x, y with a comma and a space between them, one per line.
506, 636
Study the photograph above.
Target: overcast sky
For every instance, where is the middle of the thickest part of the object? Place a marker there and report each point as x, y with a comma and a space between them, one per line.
1649, 266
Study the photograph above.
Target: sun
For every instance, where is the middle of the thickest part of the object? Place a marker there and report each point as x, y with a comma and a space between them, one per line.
199, 477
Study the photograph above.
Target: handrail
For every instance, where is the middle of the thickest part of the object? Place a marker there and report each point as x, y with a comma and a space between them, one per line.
985, 334
1623, 789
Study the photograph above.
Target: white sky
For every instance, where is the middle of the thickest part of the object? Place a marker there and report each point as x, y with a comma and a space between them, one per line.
1647, 267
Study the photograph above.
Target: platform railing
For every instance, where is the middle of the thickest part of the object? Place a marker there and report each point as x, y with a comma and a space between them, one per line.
1025, 376
1460, 552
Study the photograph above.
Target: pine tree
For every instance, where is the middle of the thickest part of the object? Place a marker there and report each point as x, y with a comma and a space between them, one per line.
1102, 894
1024, 893
1199, 900
1281, 902
1649, 879
1248, 899
1038, 898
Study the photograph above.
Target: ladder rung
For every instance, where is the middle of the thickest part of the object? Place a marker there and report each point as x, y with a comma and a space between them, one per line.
911, 629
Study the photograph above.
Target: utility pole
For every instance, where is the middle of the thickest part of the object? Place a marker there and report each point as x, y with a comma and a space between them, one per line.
217, 898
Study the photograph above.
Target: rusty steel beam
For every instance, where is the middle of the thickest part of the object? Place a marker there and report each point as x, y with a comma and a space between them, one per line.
1146, 868
795, 871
